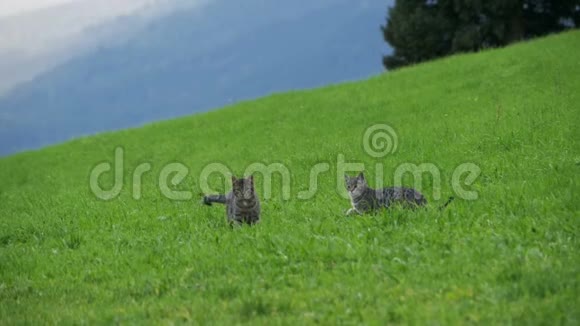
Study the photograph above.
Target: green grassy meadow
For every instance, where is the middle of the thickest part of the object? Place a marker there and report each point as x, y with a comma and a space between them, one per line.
512, 256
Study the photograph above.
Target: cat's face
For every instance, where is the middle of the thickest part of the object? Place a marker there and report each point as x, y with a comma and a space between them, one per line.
243, 188
355, 185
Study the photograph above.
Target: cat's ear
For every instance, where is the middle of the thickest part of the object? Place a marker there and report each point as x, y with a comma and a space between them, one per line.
234, 179
251, 179
361, 176
346, 178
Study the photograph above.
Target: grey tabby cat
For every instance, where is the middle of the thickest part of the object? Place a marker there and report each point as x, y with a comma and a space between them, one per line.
242, 203
365, 199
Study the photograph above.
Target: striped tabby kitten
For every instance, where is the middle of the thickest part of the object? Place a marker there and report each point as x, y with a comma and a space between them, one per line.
365, 199
242, 203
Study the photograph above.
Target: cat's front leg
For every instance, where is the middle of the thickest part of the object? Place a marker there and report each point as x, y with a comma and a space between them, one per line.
352, 211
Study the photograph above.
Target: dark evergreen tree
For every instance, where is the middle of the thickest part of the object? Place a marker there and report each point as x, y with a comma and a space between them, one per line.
417, 31
420, 30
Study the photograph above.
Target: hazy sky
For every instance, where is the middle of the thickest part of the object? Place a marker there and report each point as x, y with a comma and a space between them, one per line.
11, 7
24, 28
37, 34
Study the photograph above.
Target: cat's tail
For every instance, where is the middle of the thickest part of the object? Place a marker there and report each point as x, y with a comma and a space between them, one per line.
220, 199
442, 207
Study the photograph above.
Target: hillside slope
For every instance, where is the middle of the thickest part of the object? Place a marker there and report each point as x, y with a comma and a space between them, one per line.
511, 256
